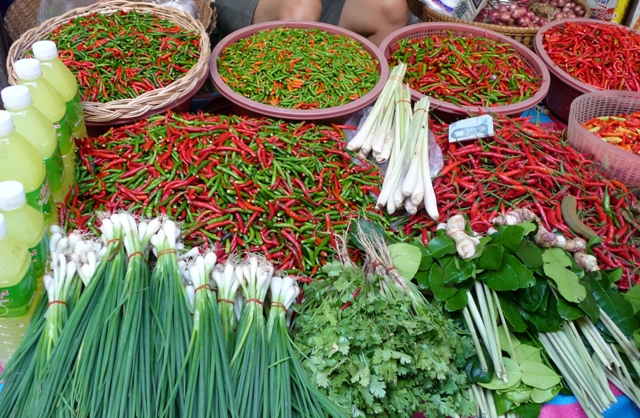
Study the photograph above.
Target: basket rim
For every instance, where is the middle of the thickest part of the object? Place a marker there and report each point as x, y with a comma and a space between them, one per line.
146, 103
553, 68
298, 114
460, 28
510, 30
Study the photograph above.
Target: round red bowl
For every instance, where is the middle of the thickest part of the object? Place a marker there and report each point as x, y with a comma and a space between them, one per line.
338, 113
564, 88
452, 111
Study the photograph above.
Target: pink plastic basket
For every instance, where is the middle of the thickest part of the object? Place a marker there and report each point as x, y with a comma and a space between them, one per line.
564, 88
451, 111
338, 113
616, 163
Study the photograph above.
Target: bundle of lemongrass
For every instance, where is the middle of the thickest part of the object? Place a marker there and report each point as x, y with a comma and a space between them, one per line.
121, 335
393, 132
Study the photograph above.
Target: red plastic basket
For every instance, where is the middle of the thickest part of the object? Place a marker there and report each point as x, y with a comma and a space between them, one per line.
616, 163
338, 113
452, 111
564, 88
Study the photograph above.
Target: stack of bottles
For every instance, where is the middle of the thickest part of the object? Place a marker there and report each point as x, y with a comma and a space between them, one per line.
37, 162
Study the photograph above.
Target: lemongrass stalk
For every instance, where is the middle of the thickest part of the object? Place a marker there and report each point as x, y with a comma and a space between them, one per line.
474, 338
569, 373
409, 183
512, 351
417, 196
398, 155
627, 346
363, 135
408, 140
491, 341
598, 344
570, 329
430, 202
491, 404
494, 330
383, 135
475, 313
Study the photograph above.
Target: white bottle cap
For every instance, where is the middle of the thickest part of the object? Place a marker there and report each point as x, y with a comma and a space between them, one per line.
16, 97
45, 50
6, 123
12, 195
27, 69
3, 227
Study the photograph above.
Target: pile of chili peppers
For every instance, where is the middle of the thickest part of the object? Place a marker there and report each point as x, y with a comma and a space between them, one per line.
466, 71
524, 165
603, 56
299, 68
621, 130
237, 184
126, 54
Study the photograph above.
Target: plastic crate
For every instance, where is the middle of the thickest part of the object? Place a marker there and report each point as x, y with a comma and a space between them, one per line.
616, 163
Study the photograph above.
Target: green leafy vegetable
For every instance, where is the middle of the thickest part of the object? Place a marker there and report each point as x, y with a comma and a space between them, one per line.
406, 259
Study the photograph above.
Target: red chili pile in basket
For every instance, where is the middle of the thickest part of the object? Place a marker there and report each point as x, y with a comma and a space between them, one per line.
238, 184
601, 55
524, 165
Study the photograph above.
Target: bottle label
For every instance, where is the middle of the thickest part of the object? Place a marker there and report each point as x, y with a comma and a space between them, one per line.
16, 300
75, 112
39, 255
40, 199
55, 169
63, 131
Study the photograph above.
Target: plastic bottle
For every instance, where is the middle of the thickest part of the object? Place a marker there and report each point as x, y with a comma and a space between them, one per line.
20, 161
25, 224
48, 101
63, 80
18, 288
36, 128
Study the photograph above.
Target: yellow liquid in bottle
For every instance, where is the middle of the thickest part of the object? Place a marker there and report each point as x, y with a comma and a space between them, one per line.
20, 161
19, 290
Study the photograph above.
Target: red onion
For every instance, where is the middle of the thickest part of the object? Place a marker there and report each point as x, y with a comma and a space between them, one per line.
511, 7
559, 16
571, 15
524, 22
504, 17
518, 13
579, 11
531, 15
502, 9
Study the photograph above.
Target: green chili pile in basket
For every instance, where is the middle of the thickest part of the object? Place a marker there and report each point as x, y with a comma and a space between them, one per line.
298, 68
466, 71
126, 54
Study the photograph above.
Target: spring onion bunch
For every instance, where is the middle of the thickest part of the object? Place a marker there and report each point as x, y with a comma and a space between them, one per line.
171, 325
228, 287
132, 393
290, 392
97, 356
208, 387
248, 365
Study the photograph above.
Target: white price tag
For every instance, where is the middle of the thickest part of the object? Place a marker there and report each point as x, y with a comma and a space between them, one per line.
472, 128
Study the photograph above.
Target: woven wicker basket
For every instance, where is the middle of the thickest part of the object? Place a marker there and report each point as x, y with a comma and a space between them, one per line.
155, 101
22, 16
525, 36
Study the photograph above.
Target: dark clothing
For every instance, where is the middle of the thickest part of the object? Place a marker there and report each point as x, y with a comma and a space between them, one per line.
237, 14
